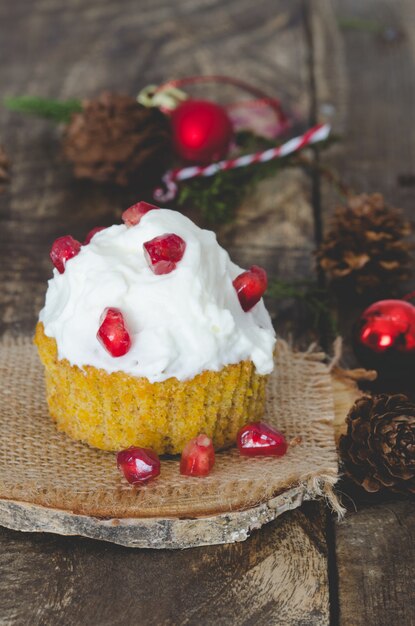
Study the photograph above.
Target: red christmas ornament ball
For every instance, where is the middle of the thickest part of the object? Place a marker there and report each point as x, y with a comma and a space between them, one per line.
384, 337
202, 131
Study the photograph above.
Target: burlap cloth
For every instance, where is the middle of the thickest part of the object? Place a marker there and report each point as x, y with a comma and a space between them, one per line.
42, 466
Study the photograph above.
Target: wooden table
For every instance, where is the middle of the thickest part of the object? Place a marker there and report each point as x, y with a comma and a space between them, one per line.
346, 61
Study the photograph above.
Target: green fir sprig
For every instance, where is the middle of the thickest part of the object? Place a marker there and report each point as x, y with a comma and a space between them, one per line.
356, 23
56, 110
318, 303
218, 196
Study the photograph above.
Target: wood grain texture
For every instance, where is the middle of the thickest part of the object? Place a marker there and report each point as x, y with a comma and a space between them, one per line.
365, 83
157, 533
79, 49
51, 580
376, 555
365, 67
76, 49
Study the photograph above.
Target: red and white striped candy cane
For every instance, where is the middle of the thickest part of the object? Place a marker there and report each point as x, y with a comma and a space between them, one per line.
171, 177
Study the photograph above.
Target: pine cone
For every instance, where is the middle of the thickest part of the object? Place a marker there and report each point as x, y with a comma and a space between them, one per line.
365, 248
115, 139
378, 450
4, 169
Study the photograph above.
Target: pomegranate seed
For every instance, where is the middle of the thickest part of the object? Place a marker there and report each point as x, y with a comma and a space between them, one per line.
133, 215
138, 464
259, 439
63, 249
113, 333
163, 252
93, 232
251, 286
198, 457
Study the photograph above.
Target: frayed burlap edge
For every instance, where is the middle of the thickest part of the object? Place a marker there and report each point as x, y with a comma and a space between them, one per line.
72, 480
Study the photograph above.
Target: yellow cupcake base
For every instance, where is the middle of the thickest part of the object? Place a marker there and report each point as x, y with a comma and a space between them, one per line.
115, 411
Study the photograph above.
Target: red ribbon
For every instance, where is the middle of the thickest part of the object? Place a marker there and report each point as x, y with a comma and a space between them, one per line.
261, 97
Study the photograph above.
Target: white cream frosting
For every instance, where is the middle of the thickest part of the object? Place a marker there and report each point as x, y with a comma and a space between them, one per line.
180, 323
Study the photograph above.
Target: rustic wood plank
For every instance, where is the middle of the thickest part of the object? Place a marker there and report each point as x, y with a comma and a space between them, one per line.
376, 554
77, 49
365, 75
48, 580
150, 45
364, 67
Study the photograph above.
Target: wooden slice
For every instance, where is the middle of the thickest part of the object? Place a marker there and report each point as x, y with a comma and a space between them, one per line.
49, 483
151, 532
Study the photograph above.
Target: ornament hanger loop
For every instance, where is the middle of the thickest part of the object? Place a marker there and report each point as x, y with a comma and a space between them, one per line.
261, 96
166, 100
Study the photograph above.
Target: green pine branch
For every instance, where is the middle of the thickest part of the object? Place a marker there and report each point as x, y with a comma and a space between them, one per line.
318, 302
355, 23
56, 110
218, 196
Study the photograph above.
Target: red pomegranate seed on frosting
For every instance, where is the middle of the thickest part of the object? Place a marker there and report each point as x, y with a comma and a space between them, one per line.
133, 215
198, 457
93, 232
138, 464
163, 252
63, 249
259, 439
251, 286
113, 333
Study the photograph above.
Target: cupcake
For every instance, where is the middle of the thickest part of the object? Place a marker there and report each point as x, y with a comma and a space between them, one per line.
150, 335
